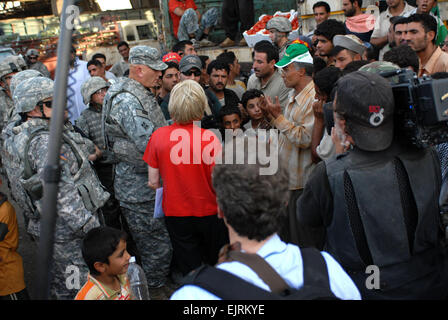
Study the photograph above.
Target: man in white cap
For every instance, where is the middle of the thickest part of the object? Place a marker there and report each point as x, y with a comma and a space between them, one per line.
296, 126
32, 56
347, 48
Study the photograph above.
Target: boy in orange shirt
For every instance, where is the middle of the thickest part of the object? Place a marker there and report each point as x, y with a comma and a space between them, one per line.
104, 251
12, 283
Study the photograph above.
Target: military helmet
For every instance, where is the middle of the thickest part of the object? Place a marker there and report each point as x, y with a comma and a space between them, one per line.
12, 64
91, 86
7, 67
381, 66
280, 24
30, 92
18, 60
22, 76
32, 52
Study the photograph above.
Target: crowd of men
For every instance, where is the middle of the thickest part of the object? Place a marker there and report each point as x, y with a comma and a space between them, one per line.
347, 185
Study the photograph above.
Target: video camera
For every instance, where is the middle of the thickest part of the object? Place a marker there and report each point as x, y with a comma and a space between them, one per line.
421, 108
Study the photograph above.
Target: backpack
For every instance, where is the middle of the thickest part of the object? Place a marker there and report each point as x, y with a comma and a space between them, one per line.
227, 286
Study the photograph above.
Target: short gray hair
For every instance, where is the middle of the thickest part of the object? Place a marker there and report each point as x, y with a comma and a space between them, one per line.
309, 68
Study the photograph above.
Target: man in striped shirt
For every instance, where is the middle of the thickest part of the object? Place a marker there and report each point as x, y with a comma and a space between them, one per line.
295, 125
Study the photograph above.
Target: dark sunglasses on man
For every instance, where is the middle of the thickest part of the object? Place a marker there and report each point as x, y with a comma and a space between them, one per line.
196, 73
46, 103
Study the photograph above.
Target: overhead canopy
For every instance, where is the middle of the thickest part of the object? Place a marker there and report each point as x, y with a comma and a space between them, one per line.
35, 8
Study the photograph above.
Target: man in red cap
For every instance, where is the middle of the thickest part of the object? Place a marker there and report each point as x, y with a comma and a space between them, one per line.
172, 57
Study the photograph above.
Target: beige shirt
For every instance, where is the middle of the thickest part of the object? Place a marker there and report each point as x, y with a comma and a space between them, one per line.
437, 63
274, 87
296, 126
382, 24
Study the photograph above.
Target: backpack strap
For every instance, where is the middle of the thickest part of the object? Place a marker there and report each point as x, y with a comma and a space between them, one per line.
262, 268
226, 285
315, 272
28, 171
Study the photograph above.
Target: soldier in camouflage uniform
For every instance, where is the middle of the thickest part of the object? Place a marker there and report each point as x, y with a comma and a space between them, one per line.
11, 167
130, 115
8, 67
93, 91
279, 29
32, 56
80, 192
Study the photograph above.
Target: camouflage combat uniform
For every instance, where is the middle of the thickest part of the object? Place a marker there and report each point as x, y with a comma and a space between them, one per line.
89, 122
130, 115
8, 67
282, 50
120, 68
80, 193
189, 23
39, 66
6, 107
7, 149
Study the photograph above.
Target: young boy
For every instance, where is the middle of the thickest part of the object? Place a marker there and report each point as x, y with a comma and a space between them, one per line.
12, 283
104, 251
230, 118
251, 103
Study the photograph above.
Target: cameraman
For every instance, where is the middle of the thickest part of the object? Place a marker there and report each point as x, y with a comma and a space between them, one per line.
378, 200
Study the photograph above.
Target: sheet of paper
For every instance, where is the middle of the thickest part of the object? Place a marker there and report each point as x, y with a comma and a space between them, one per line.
158, 211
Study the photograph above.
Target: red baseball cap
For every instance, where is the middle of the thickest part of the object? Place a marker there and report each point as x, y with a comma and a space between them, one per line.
171, 56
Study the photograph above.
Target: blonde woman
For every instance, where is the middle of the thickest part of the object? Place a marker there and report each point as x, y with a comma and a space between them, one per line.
182, 155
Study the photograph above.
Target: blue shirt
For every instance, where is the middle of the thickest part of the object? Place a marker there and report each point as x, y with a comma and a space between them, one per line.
76, 77
286, 259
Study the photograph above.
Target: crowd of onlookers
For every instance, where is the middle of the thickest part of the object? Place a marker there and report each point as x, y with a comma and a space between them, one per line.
298, 88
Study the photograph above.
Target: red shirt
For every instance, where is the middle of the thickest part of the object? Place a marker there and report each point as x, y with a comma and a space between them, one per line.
186, 176
172, 5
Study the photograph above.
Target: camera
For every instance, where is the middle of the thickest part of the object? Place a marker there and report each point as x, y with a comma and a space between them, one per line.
421, 108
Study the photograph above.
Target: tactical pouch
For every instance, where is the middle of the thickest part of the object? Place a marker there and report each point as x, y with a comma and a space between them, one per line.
34, 189
128, 152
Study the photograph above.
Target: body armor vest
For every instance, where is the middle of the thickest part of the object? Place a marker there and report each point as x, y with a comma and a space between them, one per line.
116, 141
385, 213
86, 181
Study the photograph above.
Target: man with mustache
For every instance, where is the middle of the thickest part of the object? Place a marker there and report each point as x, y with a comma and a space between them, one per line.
421, 37
218, 73
266, 77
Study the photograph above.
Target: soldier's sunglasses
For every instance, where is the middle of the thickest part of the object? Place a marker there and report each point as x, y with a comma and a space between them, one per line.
48, 104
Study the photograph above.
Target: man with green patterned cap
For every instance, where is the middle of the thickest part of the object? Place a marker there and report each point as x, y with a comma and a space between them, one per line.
296, 126
130, 116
